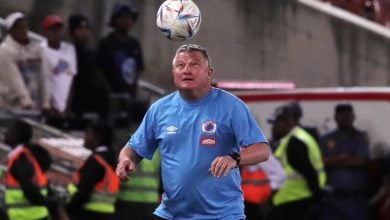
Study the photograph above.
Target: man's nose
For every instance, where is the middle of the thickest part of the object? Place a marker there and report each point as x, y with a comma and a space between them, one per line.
187, 69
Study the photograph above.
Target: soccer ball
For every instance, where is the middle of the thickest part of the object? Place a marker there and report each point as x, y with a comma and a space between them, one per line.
178, 19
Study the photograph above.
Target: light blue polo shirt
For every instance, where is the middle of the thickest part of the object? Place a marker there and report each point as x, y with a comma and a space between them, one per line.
189, 136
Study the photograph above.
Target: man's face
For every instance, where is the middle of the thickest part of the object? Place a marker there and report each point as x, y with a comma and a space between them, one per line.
191, 71
10, 136
345, 119
82, 35
19, 31
89, 139
124, 21
55, 33
280, 128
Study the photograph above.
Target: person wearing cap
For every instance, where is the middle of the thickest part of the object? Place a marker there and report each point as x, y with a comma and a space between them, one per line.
301, 159
346, 156
59, 65
298, 113
90, 91
22, 81
120, 55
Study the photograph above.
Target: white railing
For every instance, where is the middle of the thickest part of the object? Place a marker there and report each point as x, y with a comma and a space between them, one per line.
357, 20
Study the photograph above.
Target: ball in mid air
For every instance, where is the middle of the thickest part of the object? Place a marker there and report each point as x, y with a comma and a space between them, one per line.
178, 19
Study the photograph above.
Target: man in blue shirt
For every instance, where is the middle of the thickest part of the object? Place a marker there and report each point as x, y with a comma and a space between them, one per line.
346, 154
198, 131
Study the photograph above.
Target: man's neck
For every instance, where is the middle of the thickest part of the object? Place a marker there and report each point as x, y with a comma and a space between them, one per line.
21, 42
194, 95
54, 45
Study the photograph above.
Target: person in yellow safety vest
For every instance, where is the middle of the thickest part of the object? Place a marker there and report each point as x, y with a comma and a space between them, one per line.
139, 197
95, 184
26, 183
301, 159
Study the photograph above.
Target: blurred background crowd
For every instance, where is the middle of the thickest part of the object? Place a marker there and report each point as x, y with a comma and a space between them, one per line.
82, 78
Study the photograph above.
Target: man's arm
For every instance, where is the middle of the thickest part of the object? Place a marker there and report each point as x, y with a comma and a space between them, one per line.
252, 154
23, 171
255, 153
298, 157
127, 161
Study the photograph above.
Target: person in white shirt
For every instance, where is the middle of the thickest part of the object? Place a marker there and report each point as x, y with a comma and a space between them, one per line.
21, 77
59, 65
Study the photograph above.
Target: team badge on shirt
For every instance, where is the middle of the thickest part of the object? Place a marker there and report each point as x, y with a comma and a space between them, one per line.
209, 127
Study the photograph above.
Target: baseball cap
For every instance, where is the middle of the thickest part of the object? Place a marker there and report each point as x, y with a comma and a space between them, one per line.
76, 21
11, 19
282, 113
52, 20
120, 7
296, 107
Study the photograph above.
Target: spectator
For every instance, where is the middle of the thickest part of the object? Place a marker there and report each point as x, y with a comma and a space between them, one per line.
26, 182
120, 54
301, 159
59, 66
95, 183
346, 154
90, 90
22, 83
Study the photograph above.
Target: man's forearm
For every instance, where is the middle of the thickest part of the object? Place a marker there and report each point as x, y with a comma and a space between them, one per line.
255, 153
128, 153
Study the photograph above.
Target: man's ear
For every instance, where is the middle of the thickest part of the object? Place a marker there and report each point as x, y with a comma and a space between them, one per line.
210, 72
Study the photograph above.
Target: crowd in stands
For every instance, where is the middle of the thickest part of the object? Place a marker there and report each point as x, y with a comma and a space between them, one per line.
65, 81
374, 10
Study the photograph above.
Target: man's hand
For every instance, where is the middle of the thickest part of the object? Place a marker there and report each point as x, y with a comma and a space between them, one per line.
123, 168
222, 165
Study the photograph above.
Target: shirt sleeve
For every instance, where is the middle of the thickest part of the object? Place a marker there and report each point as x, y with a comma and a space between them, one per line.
13, 79
143, 140
46, 74
245, 126
275, 172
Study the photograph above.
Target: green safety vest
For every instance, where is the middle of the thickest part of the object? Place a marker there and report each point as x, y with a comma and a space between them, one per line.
296, 188
144, 182
19, 208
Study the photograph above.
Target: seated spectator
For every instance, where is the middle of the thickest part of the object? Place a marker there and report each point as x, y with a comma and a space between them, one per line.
90, 91
22, 83
59, 65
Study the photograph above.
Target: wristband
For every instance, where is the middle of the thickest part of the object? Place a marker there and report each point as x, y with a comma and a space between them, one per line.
236, 156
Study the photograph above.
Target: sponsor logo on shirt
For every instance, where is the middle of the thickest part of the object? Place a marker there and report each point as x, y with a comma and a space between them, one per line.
171, 129
209, 127
208, 141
